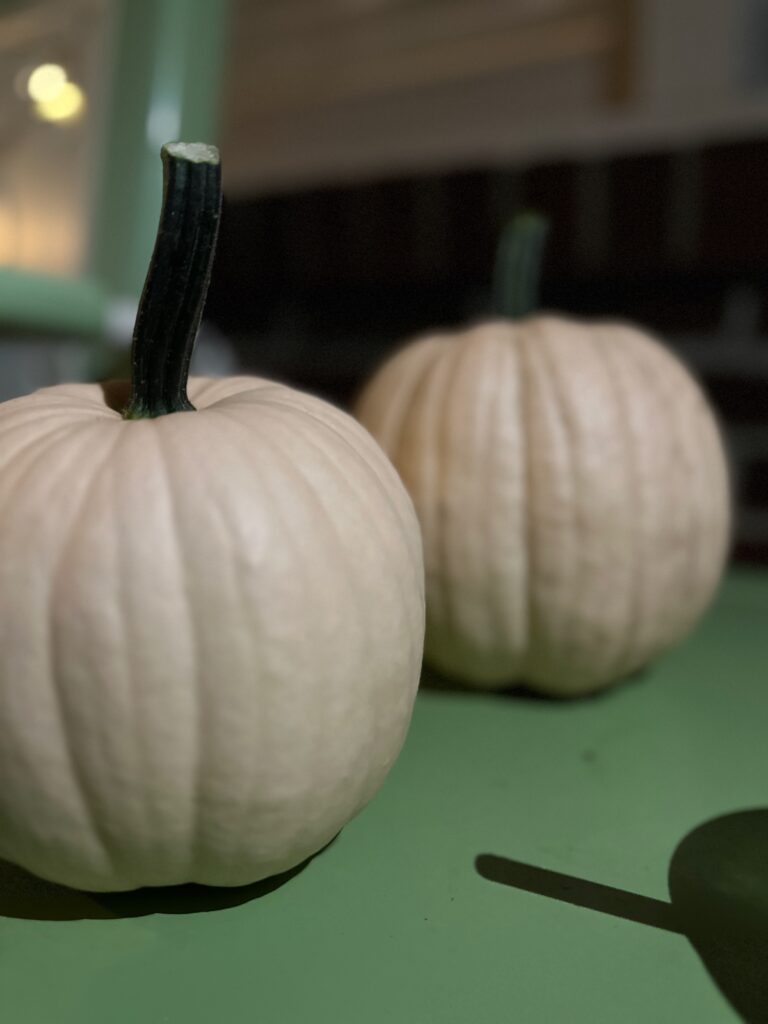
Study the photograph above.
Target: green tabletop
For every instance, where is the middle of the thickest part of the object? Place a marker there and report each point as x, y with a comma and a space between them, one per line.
394, 922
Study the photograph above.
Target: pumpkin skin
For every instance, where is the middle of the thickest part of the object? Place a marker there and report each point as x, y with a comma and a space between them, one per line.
211, 630
573, 496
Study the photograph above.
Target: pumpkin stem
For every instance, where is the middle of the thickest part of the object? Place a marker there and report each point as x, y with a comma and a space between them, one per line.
518, 265
172, 300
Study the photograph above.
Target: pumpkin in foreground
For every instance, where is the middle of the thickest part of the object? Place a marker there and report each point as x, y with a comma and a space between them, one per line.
211, 621
571, 486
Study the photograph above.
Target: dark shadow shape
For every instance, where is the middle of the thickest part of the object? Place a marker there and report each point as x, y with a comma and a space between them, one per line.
577, 891
434, 681
191, 898
431, 679
718, 882
24, 896
116, 393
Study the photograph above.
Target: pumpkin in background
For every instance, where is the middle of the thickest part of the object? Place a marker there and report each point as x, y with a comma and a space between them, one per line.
571, 486
211, 622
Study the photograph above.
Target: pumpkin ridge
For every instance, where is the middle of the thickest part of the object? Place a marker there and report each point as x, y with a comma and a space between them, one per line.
687, 468
517, 634
549, 373
519, 348
646, 370
269, 443
310, 439
687, 473
43, 445
573, 444
696, 469
258, 469
624, 659
251, 467
643, 570
57, 690
576, 628
595, 674
40, 445
9, 425
167, 475
450, 406
716, 480
426, 422
255, 469
121, 584
531, 392
510, 643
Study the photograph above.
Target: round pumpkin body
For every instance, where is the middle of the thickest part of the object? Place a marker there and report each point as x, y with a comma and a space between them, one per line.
573, 496
211, 629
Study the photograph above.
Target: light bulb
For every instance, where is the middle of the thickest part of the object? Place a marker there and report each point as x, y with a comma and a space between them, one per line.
66, 104
46, 82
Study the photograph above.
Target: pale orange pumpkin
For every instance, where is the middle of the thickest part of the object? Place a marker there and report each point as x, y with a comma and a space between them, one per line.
211, 615
571, 486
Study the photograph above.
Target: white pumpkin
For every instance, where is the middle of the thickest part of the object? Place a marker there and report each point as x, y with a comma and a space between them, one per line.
573, 497
211, 622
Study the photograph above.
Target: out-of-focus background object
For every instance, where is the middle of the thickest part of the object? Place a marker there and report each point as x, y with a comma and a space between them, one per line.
375, 150
372, 152
90, 90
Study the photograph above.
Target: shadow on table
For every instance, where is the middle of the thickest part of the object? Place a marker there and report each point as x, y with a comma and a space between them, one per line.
718, 883
27, 897
435, 682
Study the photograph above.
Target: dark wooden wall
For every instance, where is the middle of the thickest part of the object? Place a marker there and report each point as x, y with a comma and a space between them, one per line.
315, 287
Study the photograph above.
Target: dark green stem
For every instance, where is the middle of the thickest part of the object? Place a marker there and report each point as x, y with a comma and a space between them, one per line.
518, 266
177, 281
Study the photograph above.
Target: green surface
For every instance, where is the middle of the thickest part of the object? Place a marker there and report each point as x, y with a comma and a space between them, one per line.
393, 923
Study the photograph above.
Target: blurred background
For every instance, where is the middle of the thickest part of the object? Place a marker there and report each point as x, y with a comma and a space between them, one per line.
372, 151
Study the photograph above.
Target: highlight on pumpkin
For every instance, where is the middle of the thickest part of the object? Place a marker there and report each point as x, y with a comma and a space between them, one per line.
571, 485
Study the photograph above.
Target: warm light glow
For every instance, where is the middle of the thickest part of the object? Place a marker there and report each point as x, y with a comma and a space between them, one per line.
46, 83
7, 236
67, 104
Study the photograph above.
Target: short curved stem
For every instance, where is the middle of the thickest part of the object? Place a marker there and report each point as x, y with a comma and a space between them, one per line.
518, 265
177, 281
